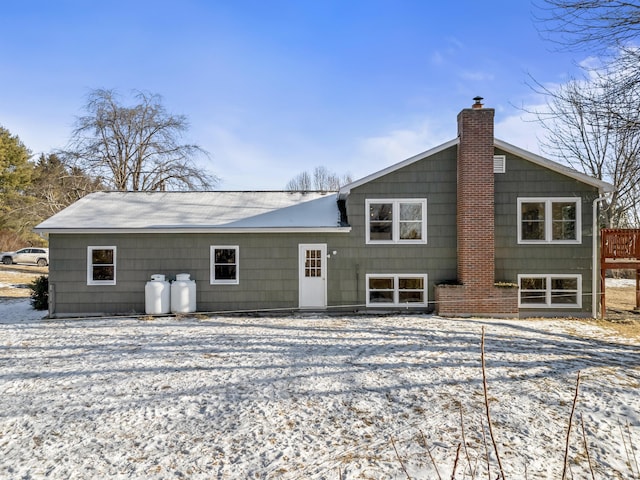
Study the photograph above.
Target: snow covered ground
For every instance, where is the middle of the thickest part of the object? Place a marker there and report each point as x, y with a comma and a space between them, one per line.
621, 282
311, 397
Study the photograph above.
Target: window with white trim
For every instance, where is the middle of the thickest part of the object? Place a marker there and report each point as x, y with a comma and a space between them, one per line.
550, 291
399, 290
225, 265
396, 220
101, 265
549, 220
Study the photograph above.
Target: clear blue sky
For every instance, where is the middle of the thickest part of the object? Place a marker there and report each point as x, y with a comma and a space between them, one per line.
274, 87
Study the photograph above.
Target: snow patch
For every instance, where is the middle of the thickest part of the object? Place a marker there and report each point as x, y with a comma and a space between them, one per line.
308, 397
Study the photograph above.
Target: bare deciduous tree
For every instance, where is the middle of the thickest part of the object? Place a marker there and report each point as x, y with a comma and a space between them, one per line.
592, 129
137, 147
597, 25
320, 179
56, 186
609, 29
594, 124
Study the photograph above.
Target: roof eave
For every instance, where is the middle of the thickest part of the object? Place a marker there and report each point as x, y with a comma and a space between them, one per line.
601, 185
80, 231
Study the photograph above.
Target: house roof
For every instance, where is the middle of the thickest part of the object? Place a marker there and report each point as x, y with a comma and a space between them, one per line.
275, 211
198, 212
502, 145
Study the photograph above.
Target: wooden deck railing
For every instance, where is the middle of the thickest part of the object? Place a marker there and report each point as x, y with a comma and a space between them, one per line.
620, 244
619, 248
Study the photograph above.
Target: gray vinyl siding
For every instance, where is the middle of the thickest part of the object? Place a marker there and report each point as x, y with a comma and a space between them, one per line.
433, 178
525, 179
268, 262
268, 271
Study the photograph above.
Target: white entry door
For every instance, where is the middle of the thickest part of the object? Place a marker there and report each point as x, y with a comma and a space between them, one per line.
313, 275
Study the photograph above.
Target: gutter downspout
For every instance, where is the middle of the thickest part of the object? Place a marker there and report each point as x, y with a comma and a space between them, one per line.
594, 254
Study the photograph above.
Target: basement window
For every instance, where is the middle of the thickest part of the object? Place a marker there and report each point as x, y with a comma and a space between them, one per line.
101, 265
396, 290
550, 291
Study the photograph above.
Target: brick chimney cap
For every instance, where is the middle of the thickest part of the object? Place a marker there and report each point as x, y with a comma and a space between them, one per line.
478, 101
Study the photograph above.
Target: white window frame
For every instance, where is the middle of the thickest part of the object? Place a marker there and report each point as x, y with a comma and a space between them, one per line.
396, 290
548, 219
90, 265
395, 224
213, 280
548, 291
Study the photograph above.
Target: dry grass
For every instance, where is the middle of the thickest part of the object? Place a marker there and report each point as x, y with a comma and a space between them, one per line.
621, 298
621, 316
14, 279
625, 328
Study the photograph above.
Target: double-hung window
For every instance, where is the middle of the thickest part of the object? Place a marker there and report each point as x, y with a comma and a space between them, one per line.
550, 291
384, 290
101, 265
549, 220
225, 265
396, 220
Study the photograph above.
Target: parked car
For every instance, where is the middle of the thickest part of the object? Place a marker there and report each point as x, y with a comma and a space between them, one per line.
32, 255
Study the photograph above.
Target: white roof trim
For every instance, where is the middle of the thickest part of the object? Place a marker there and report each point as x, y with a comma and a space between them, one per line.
217, 230
555, 166
532, 157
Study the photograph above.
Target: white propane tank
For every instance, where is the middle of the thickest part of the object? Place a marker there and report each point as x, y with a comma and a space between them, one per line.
157, 295
183, 294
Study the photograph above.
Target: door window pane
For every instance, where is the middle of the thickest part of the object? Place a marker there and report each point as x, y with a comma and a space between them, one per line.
313, 263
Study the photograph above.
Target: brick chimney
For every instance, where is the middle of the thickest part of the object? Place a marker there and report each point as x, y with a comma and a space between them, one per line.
476, 294
476, 243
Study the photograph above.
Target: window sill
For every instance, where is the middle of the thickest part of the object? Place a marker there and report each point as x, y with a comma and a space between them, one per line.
399, 242
549, 242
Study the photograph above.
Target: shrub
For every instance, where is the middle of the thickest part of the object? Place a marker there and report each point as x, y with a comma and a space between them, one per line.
40, 293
